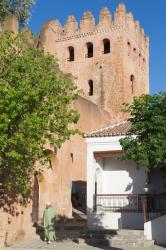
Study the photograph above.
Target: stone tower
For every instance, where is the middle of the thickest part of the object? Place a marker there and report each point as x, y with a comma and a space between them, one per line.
110, 60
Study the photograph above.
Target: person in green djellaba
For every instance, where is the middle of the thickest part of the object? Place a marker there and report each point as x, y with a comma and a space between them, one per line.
49, 223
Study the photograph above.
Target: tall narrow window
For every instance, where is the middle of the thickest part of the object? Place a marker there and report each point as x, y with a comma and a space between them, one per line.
106, 43
90, 83
129, 48
132, 79
89, 50
71, 54
140, 56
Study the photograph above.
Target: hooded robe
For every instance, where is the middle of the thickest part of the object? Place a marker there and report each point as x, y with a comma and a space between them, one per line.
49, 224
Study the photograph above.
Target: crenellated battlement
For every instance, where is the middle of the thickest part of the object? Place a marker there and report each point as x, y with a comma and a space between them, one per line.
105, 18
109, 58
88, 27
71, 25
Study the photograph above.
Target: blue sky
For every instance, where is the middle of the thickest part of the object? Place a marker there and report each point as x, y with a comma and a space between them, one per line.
150, 13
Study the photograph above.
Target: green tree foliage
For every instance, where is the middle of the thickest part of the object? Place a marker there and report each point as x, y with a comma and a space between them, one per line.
4, 10
19, 8
35, 108
148, 124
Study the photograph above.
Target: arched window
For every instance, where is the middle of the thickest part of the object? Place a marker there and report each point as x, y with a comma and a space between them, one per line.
106, 43
90, 83
71, 54
89, 50
132, 79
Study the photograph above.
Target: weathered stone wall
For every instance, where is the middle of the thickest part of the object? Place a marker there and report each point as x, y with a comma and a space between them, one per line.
69, 163
16, 225
111, 72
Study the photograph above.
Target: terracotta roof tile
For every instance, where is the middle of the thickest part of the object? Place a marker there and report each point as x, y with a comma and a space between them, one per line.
117, 129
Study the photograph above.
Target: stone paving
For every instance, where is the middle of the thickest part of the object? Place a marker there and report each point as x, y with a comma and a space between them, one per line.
36, 244
65, 235
66, 245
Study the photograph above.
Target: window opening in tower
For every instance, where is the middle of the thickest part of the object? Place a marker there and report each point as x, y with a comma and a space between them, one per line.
106, 43
89, 50
132, 79
90, 83
71, 54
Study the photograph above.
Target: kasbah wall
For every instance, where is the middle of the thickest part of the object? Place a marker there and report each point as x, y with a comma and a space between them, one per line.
116, 77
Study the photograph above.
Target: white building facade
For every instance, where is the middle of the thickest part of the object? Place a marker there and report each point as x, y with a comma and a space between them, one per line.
115, 188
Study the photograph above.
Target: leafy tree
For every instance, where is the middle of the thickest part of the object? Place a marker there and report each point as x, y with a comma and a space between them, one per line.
148, 123
35, 108
19, 8
4, 10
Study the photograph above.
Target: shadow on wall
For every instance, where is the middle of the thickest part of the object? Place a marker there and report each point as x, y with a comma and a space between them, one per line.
35, 201
123, 177
12, 204
155, 230
158, 225
14, 210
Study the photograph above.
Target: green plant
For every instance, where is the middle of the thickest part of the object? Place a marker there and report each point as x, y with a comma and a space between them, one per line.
20, 8
35, 108
146, 140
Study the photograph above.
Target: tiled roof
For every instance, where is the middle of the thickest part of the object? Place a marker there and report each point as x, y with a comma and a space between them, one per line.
117, 129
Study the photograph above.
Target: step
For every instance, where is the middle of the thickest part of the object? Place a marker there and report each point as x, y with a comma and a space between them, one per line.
127, 232
78, 212
110, 234
69, 227
130, 242
122, 234
124, 237
87, 232
115, 243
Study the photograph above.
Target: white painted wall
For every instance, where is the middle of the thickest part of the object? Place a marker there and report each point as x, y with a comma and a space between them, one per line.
114, 176
110, 220
119, 177
156, 230
122, 177
94, 145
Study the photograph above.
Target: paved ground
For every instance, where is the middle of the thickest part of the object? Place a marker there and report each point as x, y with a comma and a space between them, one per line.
36, 244
66, 245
